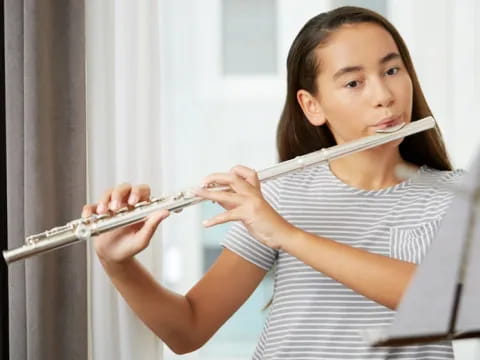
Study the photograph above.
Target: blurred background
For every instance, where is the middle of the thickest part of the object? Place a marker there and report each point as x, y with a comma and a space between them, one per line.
179, 89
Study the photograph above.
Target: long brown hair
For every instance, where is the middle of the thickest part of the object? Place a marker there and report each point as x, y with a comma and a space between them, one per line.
297, 136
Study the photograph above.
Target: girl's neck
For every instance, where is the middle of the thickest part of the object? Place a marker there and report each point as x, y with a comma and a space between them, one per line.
372, 169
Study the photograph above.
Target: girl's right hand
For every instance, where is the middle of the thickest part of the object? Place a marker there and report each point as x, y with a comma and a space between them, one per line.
121, 244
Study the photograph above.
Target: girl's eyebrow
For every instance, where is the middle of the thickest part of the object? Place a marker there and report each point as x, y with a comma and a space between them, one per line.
390, 56
349, 69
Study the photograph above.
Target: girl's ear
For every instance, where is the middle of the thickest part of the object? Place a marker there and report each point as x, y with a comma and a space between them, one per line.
311, 108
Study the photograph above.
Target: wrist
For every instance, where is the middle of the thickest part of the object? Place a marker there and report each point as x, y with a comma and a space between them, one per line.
116, 268
287, 236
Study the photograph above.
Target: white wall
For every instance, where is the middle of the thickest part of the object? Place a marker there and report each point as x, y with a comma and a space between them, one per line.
444, 39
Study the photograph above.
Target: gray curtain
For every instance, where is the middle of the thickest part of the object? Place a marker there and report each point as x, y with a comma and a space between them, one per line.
46, 180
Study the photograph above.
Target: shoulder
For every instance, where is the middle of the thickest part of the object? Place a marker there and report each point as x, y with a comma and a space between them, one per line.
438, 186
435, 176
444, 174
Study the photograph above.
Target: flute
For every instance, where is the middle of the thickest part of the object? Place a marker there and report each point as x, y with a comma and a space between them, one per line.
84, 228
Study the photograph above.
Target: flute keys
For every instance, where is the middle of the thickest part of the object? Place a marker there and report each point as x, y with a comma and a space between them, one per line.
74, 223
122, 210
189, 194
300, 161
83, 232
56, 230
179, 196
33, 239
141, 204
101, 216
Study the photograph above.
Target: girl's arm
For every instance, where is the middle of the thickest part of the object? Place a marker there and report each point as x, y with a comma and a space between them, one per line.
377, 277
380, 278
185, 323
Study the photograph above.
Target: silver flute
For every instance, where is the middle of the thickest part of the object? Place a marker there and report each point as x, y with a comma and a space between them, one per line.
84, 228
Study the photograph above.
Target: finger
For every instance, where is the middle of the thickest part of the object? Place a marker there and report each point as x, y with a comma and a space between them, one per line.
218, 178
148, 229
102, 206
139, 193
248, 174
224, 198
88, 210
233, 180
126, 230
227, 216
119, 196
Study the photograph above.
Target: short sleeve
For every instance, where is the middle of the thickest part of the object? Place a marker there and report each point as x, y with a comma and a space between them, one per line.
411, 242
239, 241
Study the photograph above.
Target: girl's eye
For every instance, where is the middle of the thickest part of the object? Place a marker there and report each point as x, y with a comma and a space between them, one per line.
352, 84
392, 71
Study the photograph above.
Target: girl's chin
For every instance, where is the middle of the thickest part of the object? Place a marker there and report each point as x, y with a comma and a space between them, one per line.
391, 145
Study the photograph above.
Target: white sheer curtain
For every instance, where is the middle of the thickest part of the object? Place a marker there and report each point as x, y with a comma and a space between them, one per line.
124, 127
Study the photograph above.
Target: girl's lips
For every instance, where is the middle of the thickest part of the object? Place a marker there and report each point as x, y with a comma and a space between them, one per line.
391, 121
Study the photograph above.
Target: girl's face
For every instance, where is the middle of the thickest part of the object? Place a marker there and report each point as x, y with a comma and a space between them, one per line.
362, 84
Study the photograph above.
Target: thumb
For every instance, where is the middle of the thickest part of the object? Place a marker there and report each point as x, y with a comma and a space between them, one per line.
148, 229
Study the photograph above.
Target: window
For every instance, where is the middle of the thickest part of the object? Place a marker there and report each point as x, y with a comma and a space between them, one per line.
249, 37
379, 6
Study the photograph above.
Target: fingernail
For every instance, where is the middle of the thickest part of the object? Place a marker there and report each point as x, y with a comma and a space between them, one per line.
100, 208
205, 222
133, 199
114, 205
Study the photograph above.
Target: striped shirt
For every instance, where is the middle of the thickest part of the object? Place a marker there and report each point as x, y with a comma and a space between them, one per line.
314, 316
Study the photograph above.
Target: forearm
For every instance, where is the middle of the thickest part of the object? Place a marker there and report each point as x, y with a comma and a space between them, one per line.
167, 314
380, 278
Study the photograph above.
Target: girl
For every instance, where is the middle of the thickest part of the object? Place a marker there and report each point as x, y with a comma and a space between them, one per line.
345, 236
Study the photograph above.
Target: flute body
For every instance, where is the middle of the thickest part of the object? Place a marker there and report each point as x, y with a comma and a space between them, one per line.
84, 228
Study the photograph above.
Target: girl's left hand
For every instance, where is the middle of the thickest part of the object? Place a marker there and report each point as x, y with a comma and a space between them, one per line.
245, 202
